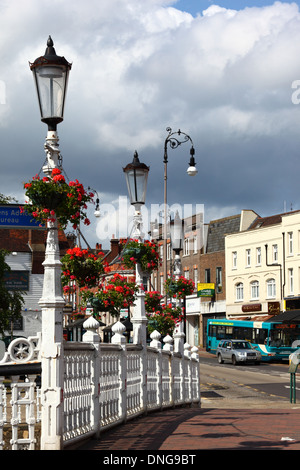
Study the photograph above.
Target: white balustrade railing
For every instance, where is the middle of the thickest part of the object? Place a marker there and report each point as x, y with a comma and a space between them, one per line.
20, 413
104, 385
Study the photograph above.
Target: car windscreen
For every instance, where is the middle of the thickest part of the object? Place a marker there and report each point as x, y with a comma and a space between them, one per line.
241, 345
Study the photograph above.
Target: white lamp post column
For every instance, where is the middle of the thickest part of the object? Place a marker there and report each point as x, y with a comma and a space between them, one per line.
136, 176
51, 77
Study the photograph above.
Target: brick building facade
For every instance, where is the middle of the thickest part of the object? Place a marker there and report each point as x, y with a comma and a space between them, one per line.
203, 261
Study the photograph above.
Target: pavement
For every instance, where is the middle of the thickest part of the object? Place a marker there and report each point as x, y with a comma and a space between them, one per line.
218, 424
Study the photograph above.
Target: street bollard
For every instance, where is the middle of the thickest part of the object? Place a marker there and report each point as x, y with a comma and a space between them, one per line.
294, 360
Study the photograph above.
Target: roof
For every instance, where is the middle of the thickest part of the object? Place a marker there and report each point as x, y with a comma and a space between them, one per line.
270, 220
217, 229
24, 240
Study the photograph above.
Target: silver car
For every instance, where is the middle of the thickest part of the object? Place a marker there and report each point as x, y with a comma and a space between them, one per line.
237, 351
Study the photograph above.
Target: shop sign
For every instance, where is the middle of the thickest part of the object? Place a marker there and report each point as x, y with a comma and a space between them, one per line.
251, 308
16, 280
273, 308
11, 216
205, 289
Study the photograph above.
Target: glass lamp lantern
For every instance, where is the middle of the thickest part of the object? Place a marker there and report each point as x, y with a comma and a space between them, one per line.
136, 174
51, 74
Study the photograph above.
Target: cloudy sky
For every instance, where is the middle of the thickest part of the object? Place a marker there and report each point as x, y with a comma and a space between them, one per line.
225, 73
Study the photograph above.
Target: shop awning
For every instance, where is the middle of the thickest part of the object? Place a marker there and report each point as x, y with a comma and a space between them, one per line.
290, 316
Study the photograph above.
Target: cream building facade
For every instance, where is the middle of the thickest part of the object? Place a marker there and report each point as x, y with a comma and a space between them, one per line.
263, 267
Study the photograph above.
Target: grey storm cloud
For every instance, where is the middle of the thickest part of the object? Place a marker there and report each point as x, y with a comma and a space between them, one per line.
224, 77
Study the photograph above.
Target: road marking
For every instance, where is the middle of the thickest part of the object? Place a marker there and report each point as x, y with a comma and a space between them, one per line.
288, 386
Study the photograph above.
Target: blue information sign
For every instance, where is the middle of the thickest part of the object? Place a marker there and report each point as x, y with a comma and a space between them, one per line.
12, 216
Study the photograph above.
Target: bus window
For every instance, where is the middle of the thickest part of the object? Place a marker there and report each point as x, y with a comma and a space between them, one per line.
242, 333
284, 336
224, 332
260, 335
221, 332
212, 331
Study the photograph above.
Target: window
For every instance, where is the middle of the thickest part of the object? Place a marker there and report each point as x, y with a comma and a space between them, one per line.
271, 288
275, 253
258, 256
168, 251
254, 290
207, 275
239, 291
248, 257
290, 243
196, 277
161, 284
234, 259
219, 279
186, 247
195, 245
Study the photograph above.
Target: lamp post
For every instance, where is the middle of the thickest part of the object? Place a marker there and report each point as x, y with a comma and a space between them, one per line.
136, 174
51, 78
177, 245
174, 140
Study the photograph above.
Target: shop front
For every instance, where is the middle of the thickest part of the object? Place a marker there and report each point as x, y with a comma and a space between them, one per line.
197, 314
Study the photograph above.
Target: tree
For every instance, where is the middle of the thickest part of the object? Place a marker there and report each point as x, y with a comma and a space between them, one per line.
10, 302
15, 308
7, 199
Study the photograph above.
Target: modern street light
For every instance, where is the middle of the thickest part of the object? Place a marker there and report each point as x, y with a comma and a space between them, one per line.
174, 140
51, 77
136, 174
97, 212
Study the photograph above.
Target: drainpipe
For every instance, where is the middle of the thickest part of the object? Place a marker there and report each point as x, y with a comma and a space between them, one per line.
283, 255
277, 265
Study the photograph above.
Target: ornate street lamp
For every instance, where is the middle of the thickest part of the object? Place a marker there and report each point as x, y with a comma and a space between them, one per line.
136, 174
51, 73
51, 77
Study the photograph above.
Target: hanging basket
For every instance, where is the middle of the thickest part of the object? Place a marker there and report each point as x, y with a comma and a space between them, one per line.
52, 196
180, 287
145, 253
49, 201
81, 266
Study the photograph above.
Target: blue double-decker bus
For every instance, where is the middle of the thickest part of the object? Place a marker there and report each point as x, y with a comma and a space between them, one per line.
274, 340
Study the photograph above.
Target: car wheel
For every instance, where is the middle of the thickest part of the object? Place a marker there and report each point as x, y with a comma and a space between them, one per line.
220, 359
233, 360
